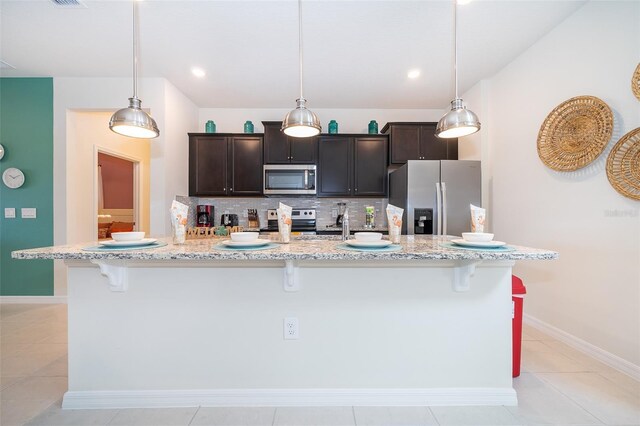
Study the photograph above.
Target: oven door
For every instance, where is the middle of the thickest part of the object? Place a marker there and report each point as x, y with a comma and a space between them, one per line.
289, 179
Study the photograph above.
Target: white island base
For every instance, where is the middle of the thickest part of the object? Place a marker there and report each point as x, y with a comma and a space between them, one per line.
180, 333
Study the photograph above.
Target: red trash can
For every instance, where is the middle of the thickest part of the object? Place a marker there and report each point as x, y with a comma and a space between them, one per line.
518, 290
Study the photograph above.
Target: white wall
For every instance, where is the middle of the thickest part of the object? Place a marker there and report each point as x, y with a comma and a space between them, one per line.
171, 159
593, 291
87, 132
175, 116
349, 120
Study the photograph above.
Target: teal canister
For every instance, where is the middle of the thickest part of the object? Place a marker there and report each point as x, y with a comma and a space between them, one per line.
210, 127
373, 127
248, 127
333, 126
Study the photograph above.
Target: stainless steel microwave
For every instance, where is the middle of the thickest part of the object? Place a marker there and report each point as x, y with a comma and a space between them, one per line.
289, 179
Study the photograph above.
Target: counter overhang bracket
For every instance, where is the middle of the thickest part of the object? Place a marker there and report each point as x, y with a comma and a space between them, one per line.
291, 282
117, 274
462, 272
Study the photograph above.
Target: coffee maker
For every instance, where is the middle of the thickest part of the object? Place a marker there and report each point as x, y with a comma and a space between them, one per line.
204, 216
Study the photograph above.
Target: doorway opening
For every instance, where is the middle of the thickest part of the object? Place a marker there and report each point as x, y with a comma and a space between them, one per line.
117, 194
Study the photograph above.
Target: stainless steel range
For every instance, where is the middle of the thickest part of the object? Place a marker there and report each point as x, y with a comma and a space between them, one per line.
303, 221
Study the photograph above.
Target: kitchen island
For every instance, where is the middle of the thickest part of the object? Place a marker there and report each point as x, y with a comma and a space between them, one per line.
192, 325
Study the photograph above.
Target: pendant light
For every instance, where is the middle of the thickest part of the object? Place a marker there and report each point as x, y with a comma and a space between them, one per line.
459, 121
301, 122
133, 121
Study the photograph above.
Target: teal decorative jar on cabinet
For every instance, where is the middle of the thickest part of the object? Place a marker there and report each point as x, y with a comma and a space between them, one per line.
373, 127
333, 126
248, 127
210, 127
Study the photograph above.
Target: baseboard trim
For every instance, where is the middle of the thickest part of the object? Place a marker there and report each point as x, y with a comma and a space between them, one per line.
289, 398
33, 299
585, 347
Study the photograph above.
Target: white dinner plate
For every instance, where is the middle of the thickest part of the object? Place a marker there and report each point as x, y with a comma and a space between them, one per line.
137, 243
379, 243
487, 244
255, 243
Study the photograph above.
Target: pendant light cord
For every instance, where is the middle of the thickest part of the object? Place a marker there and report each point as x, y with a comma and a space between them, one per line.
455, 45
300, 43
135, 51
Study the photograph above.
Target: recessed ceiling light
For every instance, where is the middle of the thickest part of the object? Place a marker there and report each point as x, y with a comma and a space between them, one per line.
413, 73
198, 72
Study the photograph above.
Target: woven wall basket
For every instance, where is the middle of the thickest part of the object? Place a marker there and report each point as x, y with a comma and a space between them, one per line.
635, 82
623, 165
575, 133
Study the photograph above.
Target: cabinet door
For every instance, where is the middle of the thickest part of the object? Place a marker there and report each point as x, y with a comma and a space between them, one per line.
431, 146
276, 144
245, 165
405, 143
303, 150
370, 170
334, 166
207, 165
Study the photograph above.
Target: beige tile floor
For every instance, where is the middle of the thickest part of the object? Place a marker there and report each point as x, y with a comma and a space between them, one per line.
558, 386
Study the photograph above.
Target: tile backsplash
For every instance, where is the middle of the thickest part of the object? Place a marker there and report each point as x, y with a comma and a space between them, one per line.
323, 206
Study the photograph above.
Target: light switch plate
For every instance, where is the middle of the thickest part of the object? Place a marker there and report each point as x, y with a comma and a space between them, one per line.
9, 213
28, 213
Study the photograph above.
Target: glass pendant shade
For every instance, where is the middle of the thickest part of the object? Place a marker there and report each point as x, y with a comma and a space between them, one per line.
134, 122
458, 122
301, 122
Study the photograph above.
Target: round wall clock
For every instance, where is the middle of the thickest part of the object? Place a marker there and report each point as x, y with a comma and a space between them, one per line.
13, 178
1, 151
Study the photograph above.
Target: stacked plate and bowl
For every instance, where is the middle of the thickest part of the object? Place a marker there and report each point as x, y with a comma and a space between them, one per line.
478, 239
245, 240
368, 240
127, 239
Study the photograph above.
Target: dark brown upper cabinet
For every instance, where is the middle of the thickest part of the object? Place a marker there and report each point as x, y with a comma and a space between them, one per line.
282, 149
352, 166
225, 164
417, 141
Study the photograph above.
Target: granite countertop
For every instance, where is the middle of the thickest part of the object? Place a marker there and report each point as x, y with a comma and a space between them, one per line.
311, 247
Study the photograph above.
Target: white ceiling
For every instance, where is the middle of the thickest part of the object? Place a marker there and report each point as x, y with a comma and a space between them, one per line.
356, 53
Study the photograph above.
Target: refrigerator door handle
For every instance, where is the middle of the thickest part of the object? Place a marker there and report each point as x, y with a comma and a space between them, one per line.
439, 208
444, 208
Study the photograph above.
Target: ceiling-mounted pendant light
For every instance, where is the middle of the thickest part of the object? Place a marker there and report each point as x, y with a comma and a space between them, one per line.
133, 121
301, 122
459, 121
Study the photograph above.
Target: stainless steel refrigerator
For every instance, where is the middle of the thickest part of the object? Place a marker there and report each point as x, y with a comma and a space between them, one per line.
435, 195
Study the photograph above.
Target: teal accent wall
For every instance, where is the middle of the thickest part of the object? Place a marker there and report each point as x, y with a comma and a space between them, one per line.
26, 132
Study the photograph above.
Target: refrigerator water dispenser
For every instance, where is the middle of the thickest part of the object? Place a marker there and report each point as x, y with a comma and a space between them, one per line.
422, 221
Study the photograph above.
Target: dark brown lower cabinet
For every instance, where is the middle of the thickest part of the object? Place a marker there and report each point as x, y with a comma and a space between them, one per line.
352, 166
225, 165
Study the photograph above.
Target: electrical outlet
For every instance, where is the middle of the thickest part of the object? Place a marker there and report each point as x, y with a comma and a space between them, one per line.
291, 331
334, 213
